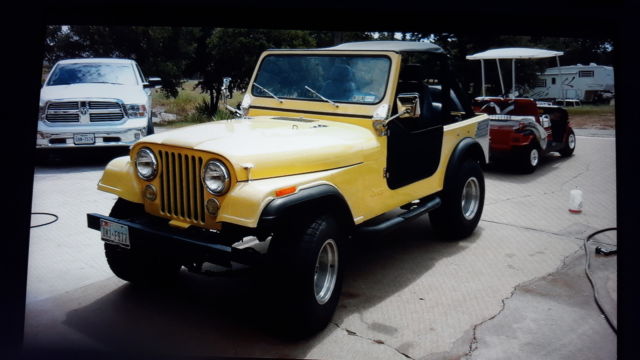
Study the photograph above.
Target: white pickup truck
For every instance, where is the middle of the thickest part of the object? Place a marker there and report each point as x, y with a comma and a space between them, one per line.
94, 102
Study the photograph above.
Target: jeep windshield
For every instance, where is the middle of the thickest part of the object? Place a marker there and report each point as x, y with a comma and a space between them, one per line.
344, 78
101, 73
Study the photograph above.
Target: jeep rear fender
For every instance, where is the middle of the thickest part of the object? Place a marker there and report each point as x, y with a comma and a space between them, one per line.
318, 198
119, 178
467, 148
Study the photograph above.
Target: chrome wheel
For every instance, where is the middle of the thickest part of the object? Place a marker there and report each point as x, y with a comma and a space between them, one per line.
571, 141
470, 198
326, 271
534, 157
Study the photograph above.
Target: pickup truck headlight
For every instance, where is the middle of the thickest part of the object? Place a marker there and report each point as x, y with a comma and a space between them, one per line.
136, 110
215, 177
146, 164
41, 111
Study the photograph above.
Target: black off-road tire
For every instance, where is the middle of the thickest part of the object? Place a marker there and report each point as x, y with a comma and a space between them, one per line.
462, 203
569, 145
530, 157
299, 259
135, 265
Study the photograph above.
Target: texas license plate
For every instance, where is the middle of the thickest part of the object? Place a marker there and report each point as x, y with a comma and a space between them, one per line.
84, 139
114, 233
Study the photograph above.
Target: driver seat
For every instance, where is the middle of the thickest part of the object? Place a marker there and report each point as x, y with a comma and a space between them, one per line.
411, 80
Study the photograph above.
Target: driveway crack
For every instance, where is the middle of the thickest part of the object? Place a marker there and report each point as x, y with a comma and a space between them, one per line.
474, 340
560, 188
376, 341
473, 345
577, 175
532, 229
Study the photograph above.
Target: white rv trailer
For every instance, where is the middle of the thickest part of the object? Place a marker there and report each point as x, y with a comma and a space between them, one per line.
588, 83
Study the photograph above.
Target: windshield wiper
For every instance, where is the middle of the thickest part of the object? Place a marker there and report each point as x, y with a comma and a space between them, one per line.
321, 97
268, 92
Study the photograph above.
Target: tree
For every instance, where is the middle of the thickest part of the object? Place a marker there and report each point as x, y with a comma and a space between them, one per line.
224, 52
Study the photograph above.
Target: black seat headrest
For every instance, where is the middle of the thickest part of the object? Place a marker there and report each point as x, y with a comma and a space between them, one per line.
411, 73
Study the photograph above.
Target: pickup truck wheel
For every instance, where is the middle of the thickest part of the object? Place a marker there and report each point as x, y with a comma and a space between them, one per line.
150, 128
530, 158
462, 203
570, 145
311, 260
134, 265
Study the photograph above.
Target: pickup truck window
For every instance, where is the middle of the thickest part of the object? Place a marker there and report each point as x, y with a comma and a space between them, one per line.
140, 72
351, 79
66, 74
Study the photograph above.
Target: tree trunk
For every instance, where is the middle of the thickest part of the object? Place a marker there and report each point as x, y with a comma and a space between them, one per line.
212, 100
214, 105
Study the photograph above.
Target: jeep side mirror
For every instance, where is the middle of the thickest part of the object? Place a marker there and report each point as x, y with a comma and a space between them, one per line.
408, 105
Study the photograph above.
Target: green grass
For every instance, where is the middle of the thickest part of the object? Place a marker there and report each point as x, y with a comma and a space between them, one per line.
188, 100
184, 104
591, 110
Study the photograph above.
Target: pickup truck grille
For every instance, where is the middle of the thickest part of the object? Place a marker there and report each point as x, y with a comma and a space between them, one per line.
181, 190
68, 105
84, 111
63, 117
106, 117
104, 105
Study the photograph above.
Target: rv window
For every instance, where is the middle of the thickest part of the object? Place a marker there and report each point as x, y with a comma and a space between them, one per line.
553, 81
541, 83
585, 73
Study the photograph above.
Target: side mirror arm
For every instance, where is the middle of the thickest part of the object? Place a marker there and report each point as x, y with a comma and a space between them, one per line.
234, 110
382, 126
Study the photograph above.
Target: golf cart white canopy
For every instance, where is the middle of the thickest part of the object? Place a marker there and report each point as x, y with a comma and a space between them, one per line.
513, 54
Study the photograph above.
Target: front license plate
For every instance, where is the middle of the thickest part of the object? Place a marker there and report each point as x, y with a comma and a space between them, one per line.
114, 233
84, 139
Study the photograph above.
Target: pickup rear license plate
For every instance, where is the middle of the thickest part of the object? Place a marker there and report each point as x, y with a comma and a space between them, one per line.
114, 233
84, 139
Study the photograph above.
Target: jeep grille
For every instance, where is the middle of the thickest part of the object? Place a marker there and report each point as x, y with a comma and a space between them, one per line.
72, 111
181, 190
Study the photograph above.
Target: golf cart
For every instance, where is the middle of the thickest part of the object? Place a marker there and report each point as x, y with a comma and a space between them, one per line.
521, 128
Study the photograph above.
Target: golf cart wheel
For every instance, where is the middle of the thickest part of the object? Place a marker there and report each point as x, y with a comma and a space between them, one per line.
530, 158
570, 145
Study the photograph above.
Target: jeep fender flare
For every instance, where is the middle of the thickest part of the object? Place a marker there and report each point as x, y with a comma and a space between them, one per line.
119, 178
467, 148
322, 197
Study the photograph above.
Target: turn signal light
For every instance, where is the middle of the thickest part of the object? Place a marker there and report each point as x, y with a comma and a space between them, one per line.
286, 191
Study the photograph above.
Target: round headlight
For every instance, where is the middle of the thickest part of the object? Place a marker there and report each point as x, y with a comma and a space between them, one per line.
215, 177
146, 164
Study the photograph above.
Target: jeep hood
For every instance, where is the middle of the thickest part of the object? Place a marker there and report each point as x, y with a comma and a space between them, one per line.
130, 94
276, 146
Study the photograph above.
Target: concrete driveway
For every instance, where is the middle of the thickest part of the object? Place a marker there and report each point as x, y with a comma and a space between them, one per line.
515, 289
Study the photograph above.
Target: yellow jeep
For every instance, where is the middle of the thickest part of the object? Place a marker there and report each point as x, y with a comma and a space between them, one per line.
326, 141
